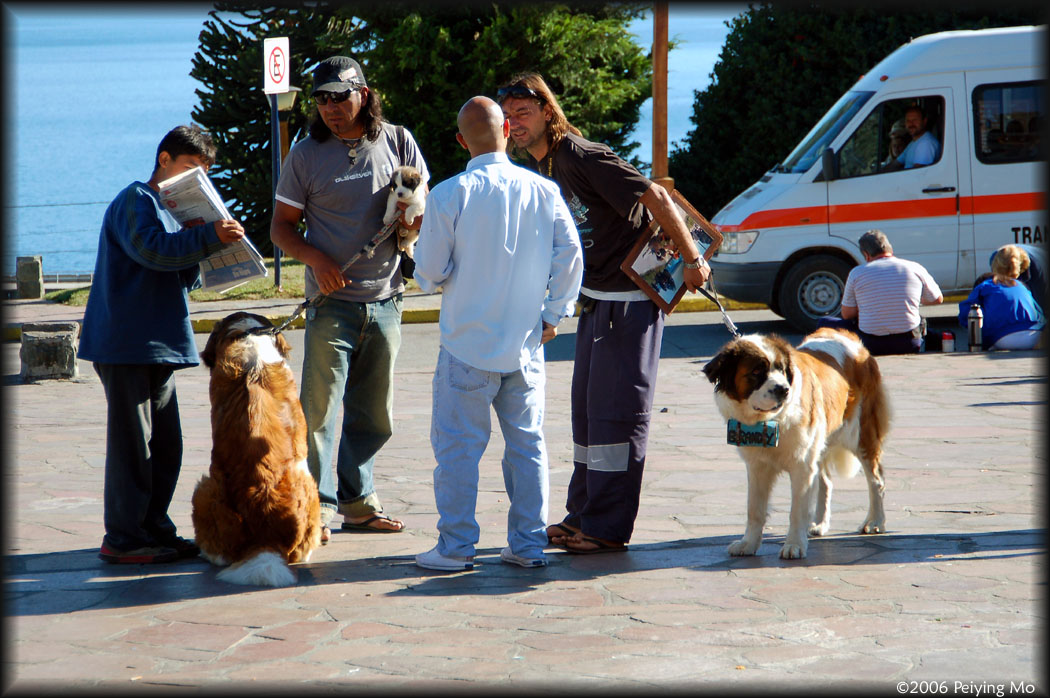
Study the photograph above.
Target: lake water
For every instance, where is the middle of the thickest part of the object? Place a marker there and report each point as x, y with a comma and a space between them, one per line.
95, 90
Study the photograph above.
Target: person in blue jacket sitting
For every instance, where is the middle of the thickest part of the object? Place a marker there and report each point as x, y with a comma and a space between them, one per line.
137, 332
1012, 318
1033, 271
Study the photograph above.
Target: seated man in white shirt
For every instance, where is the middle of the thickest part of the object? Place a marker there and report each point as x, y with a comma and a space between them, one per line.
882, 298
500, 241
924, 148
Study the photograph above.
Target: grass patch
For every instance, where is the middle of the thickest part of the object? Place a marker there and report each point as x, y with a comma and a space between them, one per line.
293, 286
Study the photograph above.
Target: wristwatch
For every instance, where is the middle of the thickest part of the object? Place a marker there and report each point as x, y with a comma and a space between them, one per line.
693, 265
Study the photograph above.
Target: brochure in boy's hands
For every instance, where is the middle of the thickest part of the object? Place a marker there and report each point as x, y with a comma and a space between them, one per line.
192, 199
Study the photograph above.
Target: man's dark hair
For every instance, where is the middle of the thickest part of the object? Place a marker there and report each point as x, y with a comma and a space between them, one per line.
187, 140
370, 116
916, 108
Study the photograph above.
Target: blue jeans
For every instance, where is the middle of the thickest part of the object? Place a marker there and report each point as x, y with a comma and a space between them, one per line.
459, 432
350, 350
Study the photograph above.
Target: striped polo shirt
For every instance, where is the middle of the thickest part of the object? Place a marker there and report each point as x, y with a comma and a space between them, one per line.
887, 293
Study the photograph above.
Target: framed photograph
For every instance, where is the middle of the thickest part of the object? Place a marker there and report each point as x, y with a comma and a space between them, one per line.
654, 262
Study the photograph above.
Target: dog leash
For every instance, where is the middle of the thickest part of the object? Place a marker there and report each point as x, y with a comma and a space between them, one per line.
725, 317
319, 297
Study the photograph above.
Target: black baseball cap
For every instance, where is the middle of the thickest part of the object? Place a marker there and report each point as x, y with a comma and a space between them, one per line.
338, 74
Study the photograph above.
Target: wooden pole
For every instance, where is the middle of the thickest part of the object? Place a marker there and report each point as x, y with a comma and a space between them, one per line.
659, 172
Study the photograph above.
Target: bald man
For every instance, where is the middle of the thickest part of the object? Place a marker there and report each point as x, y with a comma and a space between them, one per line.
499, 241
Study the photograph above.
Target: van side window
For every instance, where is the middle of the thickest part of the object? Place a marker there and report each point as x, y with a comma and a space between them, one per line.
898, 134
1008, 121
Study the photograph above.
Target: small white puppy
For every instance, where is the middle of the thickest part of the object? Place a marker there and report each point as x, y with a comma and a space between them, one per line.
406, 185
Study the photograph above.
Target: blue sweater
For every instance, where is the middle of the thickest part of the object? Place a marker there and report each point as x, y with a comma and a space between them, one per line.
1006, 309
138, 309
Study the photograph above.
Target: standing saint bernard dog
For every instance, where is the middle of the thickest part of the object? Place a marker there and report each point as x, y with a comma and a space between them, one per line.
257, 509
806, 412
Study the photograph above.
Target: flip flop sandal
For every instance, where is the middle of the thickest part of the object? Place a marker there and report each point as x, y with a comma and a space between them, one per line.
562, 527
367, 527
602, 547
326, 535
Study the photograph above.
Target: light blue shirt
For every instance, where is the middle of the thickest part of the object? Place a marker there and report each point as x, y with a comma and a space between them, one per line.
922, 151
500, 242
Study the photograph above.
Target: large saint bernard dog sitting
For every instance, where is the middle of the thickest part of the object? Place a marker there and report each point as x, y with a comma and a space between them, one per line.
257, 509
806, 412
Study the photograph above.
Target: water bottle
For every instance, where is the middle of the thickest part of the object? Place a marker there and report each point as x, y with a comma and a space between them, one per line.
974, 323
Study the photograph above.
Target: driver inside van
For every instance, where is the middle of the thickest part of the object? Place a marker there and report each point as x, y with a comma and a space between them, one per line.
924, 148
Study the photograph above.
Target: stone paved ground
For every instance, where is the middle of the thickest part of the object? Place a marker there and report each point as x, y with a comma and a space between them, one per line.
952, 593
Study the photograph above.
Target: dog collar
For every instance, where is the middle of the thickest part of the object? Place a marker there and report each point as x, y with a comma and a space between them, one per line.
763, 434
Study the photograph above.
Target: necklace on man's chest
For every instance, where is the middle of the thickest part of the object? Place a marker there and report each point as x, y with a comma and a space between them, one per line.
352, 144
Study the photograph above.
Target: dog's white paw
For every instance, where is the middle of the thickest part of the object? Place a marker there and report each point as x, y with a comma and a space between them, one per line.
390, 217
818, 529
792, 551
743, 547
876, 526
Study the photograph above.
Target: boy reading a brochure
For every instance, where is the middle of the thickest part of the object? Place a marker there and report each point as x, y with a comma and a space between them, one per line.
137, 332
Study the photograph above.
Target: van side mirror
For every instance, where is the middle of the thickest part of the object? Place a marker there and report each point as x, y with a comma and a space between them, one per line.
830, 165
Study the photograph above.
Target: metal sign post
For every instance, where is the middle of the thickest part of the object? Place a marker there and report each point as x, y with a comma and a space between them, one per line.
275, 81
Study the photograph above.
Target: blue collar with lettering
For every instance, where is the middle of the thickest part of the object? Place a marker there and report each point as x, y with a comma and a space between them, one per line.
762, 434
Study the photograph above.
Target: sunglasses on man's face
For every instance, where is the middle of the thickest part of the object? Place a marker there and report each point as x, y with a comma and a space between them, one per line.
322, 98
517, 92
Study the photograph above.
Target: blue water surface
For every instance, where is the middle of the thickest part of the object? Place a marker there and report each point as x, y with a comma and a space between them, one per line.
94, 92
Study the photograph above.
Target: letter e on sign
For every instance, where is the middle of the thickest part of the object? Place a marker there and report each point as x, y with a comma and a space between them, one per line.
275, 65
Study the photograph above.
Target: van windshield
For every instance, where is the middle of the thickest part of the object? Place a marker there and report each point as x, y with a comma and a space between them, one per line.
809, 150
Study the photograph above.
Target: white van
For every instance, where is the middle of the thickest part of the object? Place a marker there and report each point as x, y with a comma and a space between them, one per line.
791, 239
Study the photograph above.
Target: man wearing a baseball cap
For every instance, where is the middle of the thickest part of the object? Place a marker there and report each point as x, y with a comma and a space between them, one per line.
336, 180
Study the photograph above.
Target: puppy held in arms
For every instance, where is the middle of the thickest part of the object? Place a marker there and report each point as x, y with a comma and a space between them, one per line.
406, 185
257, 509
805, 412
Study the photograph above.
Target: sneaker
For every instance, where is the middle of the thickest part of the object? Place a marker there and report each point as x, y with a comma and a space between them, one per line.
510, 558
433, 560
139, 556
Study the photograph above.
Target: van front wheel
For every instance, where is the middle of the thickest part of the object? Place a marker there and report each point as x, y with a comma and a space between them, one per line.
812, 289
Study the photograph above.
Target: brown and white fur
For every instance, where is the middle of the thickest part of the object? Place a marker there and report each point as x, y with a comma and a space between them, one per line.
828, 398
257, 509
406, 184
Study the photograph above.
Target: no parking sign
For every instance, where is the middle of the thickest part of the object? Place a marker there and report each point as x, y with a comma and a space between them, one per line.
275, 65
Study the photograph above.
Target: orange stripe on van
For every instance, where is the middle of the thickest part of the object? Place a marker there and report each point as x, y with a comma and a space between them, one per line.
889, 210
1004, 203
926, 208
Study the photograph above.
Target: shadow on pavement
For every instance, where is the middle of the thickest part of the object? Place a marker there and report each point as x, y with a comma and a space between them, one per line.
64, 582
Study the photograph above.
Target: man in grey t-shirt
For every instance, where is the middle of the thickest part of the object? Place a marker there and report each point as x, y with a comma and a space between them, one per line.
336, 179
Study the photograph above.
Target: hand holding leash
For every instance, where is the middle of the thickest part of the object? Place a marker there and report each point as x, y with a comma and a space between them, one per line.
318, 297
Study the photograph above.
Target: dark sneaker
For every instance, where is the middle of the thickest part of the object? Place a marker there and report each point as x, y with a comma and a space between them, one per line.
139, 556
185, 548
